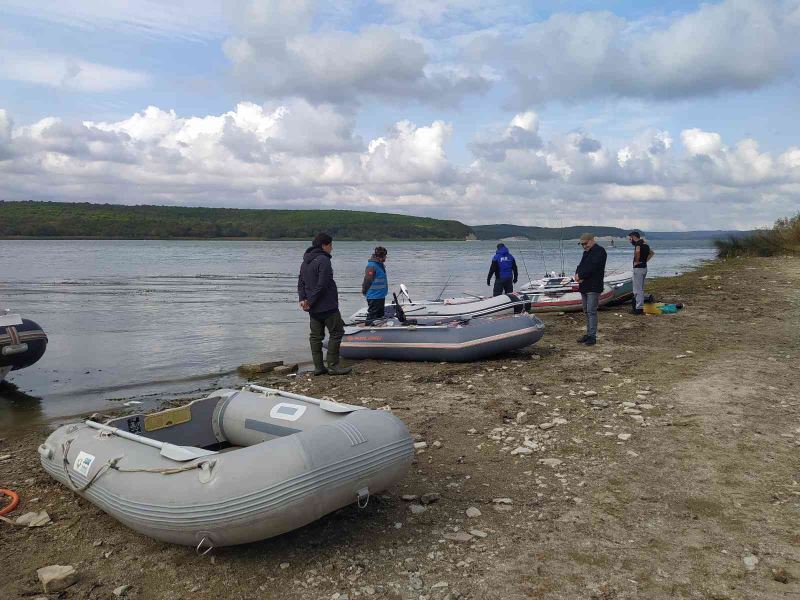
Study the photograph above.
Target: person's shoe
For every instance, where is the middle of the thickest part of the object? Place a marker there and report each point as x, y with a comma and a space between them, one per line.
582, 339
321, 371
637, 311
337, 370
590, 341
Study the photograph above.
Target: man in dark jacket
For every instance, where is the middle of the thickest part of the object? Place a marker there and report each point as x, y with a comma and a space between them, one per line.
504, 269
589, 275
375, 286
319, 297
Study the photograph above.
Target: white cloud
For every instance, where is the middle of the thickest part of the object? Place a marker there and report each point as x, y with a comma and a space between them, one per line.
191, 19
68, 73
733, 45
276, 53
295, 154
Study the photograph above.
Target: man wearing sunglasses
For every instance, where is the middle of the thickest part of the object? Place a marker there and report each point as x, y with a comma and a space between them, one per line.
589, 275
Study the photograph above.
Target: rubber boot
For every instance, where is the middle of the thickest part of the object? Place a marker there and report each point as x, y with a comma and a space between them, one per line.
319, 363
333, 360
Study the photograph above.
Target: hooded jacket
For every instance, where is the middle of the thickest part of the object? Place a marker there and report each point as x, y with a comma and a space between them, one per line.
316, 283
376, 283
503, 266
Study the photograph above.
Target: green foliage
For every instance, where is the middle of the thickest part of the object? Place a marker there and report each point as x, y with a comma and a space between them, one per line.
783, 238
63, 219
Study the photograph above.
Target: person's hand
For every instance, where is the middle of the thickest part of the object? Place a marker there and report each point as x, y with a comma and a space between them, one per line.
576, 278
488, 283
515, 280
304, 305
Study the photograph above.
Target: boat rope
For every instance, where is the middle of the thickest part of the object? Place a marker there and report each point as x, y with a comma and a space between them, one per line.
11, 505
112, 464
200, 546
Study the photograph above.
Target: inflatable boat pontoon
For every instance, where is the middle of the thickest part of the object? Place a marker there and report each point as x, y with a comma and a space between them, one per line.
231, 468
454, 340
505, 304
22, 343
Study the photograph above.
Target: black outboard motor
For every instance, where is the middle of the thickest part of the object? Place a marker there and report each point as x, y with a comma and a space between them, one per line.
400, 313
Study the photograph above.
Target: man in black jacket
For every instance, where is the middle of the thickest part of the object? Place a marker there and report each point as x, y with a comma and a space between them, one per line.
319, 297
589, 275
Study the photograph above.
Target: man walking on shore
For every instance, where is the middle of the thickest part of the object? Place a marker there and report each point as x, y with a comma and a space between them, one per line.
504, 269
375, 286
641, 254
589, 275
319, 297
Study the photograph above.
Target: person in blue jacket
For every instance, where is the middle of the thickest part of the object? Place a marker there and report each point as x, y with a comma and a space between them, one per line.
504, 269
375, 286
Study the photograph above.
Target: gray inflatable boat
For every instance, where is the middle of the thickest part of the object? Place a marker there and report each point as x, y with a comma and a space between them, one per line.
456, 340
504, 304
231, 468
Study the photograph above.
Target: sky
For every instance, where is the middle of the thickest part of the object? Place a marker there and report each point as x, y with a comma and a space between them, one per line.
663, 116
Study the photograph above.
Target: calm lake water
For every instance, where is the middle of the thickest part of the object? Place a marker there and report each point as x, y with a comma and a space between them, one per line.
148, 320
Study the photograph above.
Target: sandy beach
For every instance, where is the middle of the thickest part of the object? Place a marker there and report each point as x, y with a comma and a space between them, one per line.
665, 463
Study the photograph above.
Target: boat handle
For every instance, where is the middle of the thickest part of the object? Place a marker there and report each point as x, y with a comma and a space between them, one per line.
46, 451
362, 495
202, 552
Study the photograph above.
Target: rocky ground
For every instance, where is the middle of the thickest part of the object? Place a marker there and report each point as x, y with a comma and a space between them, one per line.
663, 462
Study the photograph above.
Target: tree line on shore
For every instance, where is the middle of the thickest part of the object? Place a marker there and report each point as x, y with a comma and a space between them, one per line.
783, 238
64, 219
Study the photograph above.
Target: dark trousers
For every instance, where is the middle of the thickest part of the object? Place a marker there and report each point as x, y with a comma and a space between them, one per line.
503, 286
335, 327
376, 309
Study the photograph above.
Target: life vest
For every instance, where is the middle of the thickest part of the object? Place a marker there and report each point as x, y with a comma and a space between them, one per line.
380, 285
505, 262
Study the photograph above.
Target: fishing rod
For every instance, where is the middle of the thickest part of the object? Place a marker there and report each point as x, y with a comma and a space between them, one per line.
544, 262
439, 297
561, 246
522, 254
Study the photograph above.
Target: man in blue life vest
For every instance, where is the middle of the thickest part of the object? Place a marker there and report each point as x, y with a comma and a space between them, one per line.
504, 269
375, 286
319, 297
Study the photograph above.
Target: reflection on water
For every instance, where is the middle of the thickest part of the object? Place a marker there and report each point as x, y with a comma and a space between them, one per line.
147, 319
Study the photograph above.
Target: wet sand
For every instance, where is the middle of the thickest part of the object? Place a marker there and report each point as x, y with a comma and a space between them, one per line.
688, 490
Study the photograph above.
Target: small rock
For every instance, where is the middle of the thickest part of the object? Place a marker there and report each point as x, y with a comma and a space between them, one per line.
521, 418
750, 561
417, 509
637, 418
437, 444
459, 536
97, 543
624, 436
478, 533
589, 393
632, 453
55, 578
521, 450
420, 445
430, 498
559, 421
608, 370
285, 369
34, 519
439, 585
503, 501
473, 512
600, 403
546, 426
551, 462
408, 497
121, 590
284, 565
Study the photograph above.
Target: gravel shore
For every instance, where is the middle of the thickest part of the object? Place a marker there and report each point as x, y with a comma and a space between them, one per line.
664, 462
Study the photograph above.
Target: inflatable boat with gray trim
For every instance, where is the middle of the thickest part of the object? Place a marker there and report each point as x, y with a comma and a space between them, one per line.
231, 468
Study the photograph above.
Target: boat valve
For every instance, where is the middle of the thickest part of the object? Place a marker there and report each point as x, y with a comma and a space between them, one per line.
204, 547
46, 451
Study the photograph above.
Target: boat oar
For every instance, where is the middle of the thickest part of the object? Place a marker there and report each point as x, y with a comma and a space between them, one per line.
326, 405
171, 451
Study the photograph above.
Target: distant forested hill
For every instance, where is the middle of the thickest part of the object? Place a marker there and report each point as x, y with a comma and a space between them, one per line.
64, 219
496, 232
